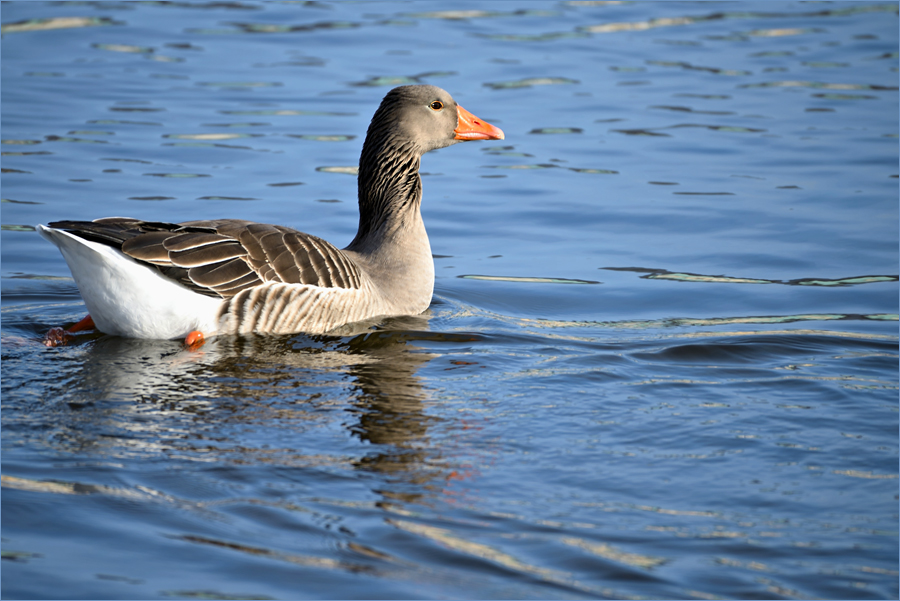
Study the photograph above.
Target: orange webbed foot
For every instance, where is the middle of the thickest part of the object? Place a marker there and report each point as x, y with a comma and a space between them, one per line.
61, 337
57, 337
194, 340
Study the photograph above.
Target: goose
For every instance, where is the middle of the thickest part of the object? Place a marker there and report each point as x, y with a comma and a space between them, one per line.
199, 279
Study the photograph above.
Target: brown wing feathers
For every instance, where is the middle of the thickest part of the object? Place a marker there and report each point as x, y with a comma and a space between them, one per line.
223, 257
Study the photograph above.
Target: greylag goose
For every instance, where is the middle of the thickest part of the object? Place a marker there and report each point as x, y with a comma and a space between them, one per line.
146, 279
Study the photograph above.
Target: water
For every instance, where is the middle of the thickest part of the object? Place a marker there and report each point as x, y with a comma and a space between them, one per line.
661, 360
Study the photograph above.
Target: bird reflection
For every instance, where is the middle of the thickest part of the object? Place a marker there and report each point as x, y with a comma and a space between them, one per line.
223, 401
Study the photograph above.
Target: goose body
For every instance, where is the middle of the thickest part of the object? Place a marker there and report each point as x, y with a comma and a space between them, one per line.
142, 279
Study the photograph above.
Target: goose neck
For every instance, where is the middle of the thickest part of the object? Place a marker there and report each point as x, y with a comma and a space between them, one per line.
390, 192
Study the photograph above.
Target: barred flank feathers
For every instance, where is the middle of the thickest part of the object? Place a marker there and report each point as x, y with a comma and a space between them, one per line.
276, 308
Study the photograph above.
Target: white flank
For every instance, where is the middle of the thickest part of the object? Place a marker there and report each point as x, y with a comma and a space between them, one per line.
126, 298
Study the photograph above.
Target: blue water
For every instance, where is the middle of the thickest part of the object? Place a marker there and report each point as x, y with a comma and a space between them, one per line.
662, 356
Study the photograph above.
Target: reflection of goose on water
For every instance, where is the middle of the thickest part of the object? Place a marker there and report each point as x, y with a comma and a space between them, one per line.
154, 280
159, 371
260, 397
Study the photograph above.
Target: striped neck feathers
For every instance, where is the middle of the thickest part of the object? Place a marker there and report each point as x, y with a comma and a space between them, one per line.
389, 187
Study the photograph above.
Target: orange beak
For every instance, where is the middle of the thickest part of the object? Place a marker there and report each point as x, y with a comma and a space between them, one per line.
471, 127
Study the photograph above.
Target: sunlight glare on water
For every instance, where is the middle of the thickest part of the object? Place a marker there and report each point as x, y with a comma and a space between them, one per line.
661, 359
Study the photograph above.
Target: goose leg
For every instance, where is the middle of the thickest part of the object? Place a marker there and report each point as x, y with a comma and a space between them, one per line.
59, 336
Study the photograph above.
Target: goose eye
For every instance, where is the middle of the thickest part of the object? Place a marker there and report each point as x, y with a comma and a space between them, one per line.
437, 105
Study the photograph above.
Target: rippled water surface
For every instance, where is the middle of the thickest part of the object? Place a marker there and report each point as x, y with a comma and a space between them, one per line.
661, 360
